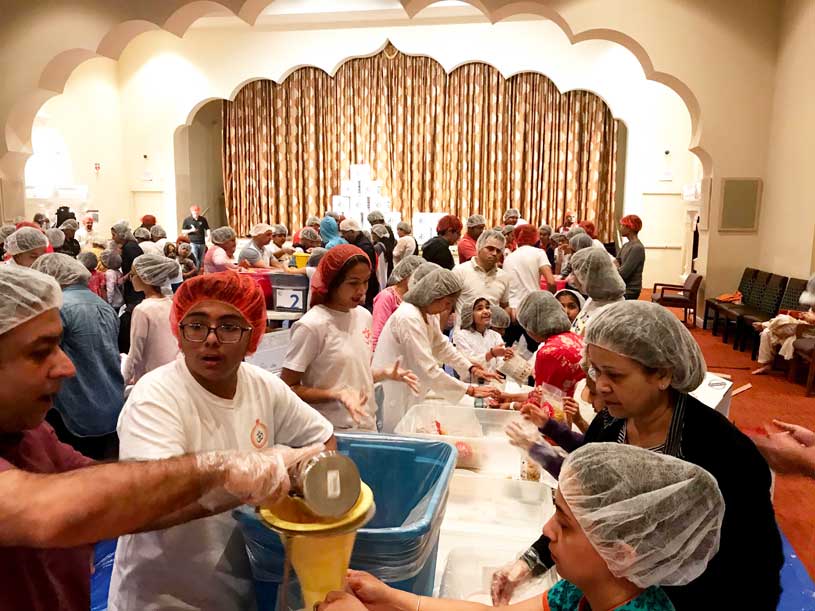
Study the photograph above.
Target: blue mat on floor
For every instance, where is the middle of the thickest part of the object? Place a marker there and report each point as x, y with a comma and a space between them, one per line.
798, 594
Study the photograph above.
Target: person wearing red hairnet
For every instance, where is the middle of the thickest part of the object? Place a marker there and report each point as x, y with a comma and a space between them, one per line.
207, 399
437, 249
328, 363
631, 259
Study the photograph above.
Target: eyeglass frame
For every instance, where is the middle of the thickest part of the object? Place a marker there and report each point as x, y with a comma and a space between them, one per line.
211, 329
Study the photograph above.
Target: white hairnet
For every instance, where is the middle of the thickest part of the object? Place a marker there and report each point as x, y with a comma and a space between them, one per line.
557, 237
312, 220
435, 285
375, 217
311, 234
155, 269
88, 259
122, 230
6, 231
476, 220
142, 233
26, 294
490, 234
316, 255
380, 231
403, 226
280, 230
350, 225
70, 224
467, 311
595, 274
654, 519
651, 335
540, 313
66, 270
24, 240
111, 259
581, 301
808, 296
222, 235
404, 269
259, 229
573, 231
545, 229
512, 212
581, 241
157, 232
507, 229
422, 271
500, 318
55, 237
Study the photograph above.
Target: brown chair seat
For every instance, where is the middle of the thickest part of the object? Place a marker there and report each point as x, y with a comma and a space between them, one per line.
805, 345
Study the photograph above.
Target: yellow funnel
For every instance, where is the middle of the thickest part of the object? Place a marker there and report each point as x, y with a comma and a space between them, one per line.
319, 548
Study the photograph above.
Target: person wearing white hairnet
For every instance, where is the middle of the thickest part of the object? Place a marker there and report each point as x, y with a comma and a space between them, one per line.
159, 237
467, 245
476, 340
255, 253
645, 363
152, 343
406, 245
629, 526
5, 231
386, 302
413, 337
513, 217
71, 245
309, 239
82, 503
219, 258
499, 320
280, 248
481, 276
25, 245
56, 238
594, 274
312, 222
88, 405
112, 264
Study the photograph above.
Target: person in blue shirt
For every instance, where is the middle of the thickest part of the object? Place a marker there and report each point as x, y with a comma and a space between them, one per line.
330, 233
87, 406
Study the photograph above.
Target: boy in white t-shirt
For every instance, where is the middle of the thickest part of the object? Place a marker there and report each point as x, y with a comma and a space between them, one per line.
207, 399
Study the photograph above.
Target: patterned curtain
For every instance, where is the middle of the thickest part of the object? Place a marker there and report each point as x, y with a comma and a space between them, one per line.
466, 142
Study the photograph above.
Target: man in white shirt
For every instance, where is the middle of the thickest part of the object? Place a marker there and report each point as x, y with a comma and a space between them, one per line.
207, 399
481, 276
526, 265
89, 238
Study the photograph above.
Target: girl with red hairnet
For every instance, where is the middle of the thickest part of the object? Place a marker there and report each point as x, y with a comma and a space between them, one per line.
631, 259
208, 399
328, 363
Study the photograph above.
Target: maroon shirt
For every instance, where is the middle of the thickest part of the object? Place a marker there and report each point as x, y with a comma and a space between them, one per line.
43, 579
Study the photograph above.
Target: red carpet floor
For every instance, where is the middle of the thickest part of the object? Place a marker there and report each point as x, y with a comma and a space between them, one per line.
771, 397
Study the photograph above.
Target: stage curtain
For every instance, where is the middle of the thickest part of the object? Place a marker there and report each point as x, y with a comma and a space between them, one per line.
466, 142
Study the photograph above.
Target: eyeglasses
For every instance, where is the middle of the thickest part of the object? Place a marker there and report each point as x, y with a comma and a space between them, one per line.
199, 332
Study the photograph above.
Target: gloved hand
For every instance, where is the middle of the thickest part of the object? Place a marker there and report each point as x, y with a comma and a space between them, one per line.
523, 435
506, 579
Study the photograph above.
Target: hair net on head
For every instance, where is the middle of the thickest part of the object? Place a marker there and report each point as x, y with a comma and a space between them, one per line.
350, 225
24, 240
316, 255
512, 212
435, 285
259, 229
330, 266
184, 248
589, 227
232, 288
222, 235
508, 230
581, 241
111, 259
376, 217
500, 318
311, 221
545, 229
540, 313
526, 235
654, 519
573, 231
148, 219
380, 231
55, 237
6, 231
280, 230
448, 222
557, 237
403, 226
596, 275
89, 260
632, 221
404, 269
476, 220
157, 232
425, 268
651, 335
142, 234
467, 311
70, 224
122, 230
155, 269
66, 270
581, 301
808, 296
490, 234
26, 294
310, 234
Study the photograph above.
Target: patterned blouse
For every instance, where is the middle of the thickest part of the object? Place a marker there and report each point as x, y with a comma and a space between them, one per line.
557, 362
564, 596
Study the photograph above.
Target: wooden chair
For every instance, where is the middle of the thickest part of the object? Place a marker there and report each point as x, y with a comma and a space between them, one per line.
789, 301
679, 295
804, 351
712, 306
730, 312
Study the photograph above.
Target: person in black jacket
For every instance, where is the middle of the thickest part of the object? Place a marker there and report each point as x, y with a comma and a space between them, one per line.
644, 363
437, 249
352, 233
130, 250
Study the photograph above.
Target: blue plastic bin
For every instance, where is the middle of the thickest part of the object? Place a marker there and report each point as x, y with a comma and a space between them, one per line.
410, 479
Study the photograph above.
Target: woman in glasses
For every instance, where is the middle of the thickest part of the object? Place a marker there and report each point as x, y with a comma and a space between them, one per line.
206, 400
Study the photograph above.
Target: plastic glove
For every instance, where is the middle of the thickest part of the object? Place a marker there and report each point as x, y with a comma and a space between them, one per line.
355, 401
506, 579
536, 414
404, 375
484, 392
522, 435
340, 601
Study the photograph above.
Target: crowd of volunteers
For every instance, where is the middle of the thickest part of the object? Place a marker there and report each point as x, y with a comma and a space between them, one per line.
128, 409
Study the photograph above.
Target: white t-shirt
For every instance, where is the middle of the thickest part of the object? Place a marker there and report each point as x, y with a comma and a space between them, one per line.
150, 248
152, 343
475, 346
333, 349
523, 267
201, 564
494, 285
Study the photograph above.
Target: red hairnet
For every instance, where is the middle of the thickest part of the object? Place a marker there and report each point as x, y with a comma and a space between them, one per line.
589, 227
238, 290
148, 219
632, 221
526, 235
328, 268
182, 238
448, 222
